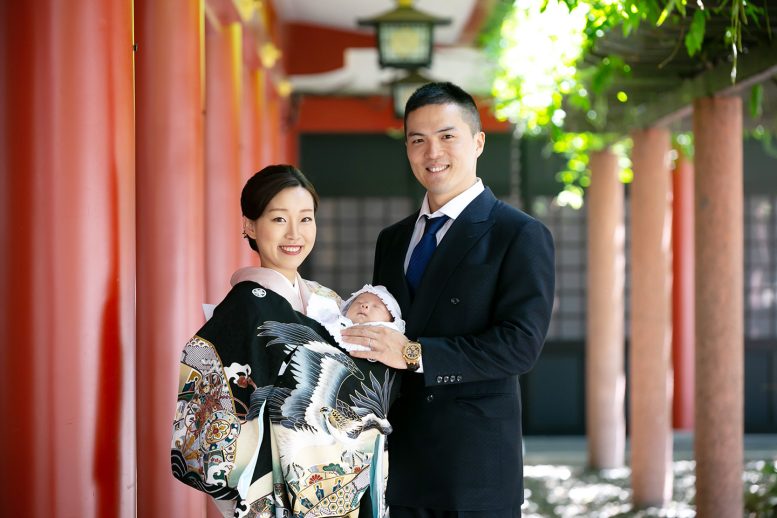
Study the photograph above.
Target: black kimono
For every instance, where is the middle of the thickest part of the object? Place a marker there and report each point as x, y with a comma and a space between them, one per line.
274, 415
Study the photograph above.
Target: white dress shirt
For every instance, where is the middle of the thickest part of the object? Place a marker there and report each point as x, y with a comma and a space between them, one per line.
452, 209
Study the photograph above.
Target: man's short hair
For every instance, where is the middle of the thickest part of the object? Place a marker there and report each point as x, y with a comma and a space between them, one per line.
445, 93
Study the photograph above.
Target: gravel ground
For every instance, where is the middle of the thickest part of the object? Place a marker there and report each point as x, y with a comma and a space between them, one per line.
563, 491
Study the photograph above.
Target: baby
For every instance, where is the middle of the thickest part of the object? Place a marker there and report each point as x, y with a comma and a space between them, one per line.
371, 305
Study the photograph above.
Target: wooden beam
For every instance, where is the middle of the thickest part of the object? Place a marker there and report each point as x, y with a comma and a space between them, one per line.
670, 106
754, 67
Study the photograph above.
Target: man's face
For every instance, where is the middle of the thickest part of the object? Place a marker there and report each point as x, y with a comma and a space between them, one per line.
368, 307
442, 151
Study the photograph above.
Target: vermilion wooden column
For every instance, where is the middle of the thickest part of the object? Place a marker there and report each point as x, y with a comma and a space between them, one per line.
251, 159
223, 181
682, 294
66, 270
651, 335
605, 377
170, 240
718, 441
275, 129
290, 130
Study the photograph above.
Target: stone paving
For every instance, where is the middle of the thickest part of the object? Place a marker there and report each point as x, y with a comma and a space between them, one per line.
557, 483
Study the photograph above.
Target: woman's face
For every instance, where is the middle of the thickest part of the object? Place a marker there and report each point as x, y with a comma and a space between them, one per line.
285, 232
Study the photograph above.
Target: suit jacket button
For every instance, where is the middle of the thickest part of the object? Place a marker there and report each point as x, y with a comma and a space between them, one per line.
454, 300
458, 378
430, 398
439, 379
446, 379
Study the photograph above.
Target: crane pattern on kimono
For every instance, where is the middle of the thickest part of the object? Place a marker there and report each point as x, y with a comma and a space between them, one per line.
319, 370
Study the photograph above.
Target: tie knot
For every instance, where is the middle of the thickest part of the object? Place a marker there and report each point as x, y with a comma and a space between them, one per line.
434, 224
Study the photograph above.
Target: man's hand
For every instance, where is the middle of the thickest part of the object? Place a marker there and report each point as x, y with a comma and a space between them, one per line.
384, 344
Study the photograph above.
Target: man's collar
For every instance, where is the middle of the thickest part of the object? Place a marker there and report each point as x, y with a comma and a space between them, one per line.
456, 206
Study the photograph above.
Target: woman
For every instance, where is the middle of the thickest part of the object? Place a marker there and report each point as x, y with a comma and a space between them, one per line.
273, 418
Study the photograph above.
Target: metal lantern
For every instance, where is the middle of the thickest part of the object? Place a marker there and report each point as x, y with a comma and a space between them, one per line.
403, 88
404, 36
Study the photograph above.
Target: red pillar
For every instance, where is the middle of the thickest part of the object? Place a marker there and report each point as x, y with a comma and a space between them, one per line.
290, 130
604, 375
267, 128
651, 335
251, 159
719, 390
66, 271
223, 182
682, 295
170, 235
276, 135
292, 142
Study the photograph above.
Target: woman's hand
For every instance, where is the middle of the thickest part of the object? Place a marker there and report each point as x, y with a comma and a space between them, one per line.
384, 344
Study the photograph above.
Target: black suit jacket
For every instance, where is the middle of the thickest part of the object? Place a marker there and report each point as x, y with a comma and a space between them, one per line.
481, 314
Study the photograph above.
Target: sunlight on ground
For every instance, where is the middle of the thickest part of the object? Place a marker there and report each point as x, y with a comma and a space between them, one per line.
567, 491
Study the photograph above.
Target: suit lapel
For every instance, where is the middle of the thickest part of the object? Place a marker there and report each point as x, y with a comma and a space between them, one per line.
465, 231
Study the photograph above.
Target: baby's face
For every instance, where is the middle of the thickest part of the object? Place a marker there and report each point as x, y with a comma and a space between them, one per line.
368, 307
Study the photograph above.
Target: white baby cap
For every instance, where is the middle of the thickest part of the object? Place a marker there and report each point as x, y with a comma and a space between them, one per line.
388, 299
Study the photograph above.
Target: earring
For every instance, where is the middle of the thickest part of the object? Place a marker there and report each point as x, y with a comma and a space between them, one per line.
244, 234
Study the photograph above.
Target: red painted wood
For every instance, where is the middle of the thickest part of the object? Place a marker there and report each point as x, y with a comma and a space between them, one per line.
67, 232
275, 134
223, 181
292, 145
224, 11
266, 125
322, 114
373, 114
250, 49
313, 49
170, 235
683, 300
19, 271
251, 159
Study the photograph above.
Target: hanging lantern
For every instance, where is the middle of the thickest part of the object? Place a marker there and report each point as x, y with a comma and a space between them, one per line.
405, 36
403, 88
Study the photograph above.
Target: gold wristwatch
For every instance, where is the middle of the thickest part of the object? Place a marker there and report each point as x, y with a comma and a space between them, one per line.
411, 353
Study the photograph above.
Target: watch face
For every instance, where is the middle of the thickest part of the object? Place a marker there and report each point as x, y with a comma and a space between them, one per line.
412, 351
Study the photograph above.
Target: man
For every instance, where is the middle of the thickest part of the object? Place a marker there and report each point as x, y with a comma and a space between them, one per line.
476, 315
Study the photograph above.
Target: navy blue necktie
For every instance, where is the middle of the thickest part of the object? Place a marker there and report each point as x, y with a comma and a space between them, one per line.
423, 252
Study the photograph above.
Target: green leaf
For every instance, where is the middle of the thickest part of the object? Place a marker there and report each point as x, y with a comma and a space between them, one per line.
666, 12
680, 6
695, 37
755, 102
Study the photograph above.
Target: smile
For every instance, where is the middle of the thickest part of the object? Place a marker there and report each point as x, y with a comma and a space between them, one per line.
291, 249
437, 169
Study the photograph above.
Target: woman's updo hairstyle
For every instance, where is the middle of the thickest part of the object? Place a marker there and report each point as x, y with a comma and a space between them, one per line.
262, 187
